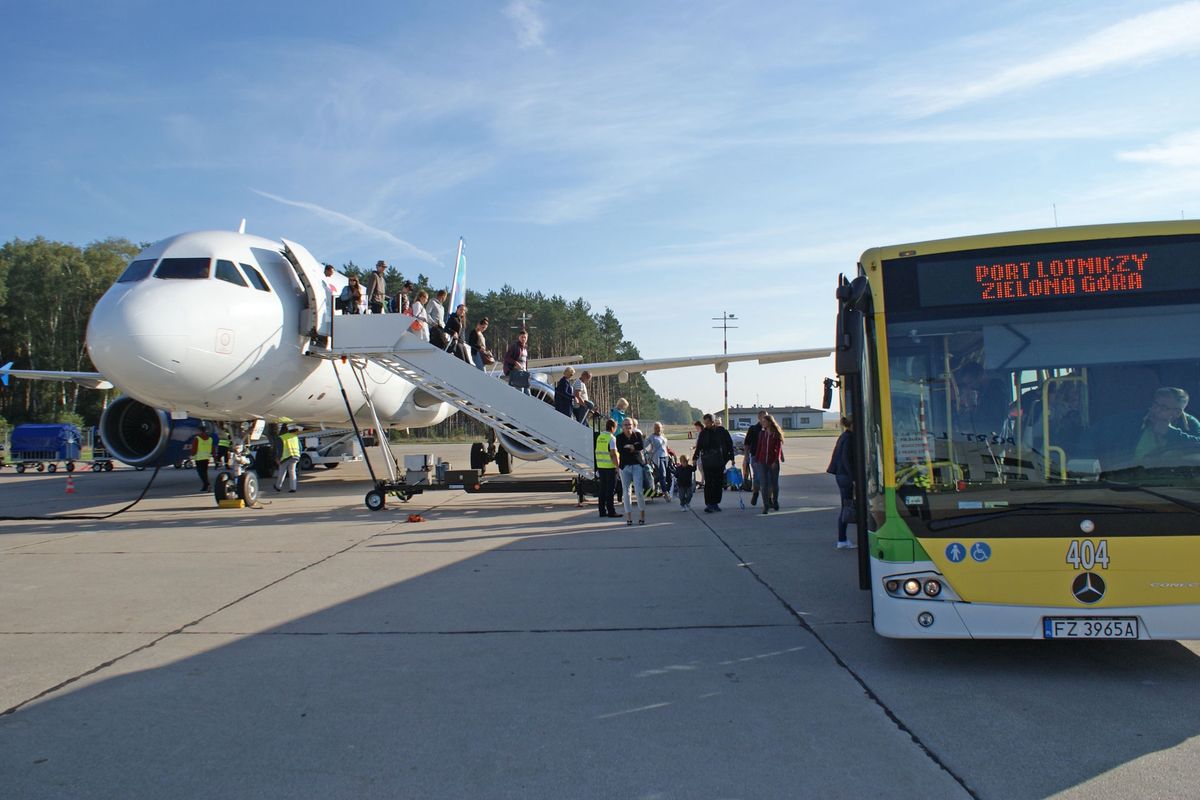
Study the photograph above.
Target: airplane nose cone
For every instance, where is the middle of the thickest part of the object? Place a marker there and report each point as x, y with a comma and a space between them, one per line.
136, 337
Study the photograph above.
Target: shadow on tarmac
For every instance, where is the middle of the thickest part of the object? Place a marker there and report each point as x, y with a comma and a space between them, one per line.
592, 671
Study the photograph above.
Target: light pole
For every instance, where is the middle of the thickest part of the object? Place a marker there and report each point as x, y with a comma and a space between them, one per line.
725, 319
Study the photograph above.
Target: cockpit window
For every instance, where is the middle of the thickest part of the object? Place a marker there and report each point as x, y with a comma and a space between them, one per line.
226, 271
256, 278
137, 271
192, 269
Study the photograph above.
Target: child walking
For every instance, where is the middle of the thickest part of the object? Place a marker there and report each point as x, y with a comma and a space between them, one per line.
684, 474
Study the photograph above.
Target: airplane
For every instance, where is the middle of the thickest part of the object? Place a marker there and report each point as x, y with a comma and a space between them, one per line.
221, 325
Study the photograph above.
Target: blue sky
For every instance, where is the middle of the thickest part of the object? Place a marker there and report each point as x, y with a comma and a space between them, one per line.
672, 160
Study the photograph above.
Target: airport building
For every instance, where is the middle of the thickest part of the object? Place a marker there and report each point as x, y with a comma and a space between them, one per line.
788, 417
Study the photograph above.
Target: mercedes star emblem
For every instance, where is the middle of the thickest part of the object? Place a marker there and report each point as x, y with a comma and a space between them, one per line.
1088, 588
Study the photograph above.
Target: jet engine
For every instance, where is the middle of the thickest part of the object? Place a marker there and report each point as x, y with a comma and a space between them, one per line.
545, 392
141, 436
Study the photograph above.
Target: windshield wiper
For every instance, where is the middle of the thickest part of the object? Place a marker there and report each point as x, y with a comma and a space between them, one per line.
1031, 508
1133, 487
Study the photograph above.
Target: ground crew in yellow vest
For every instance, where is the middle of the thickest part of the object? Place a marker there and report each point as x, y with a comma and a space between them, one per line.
290, 457
606, 468
223, 444
201, 451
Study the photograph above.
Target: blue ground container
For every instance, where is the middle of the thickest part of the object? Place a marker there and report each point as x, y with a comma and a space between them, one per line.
50, 442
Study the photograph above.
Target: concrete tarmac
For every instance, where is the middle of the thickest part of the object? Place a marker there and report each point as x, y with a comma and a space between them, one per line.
515, 646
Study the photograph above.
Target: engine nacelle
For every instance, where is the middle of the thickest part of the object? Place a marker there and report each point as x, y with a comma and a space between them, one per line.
141, 436
544, 392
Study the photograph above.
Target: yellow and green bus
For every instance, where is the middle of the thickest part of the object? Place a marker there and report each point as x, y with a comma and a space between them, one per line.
1027, 463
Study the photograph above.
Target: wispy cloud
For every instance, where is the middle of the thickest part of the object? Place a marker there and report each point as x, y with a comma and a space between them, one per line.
352, 223
528, 22
1153, 36
1180, 150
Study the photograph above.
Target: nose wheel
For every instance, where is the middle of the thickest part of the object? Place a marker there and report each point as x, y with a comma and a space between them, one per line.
223, 487
247, 488
243, 487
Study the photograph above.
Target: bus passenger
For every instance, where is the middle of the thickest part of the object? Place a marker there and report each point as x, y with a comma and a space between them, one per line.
981, 401
1126, 440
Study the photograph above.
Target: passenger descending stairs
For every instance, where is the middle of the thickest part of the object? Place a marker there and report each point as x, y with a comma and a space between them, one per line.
385, 340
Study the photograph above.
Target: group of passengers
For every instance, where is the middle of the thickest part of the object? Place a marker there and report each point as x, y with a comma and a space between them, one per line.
432, 321
646, 465
642, 464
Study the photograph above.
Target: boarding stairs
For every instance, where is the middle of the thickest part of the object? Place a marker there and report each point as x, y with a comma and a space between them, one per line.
387, 340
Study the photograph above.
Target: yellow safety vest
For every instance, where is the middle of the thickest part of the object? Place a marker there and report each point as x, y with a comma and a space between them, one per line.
203, 449
291, 445
603, 454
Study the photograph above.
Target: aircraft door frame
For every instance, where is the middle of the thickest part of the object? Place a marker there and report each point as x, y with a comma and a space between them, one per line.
311, 274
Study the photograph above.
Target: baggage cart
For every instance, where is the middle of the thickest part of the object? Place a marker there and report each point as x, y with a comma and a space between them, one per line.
42, 447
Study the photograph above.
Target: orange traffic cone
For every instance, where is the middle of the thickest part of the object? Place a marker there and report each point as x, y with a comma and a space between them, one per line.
70, 484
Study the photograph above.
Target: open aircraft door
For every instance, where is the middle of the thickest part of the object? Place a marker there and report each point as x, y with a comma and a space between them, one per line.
311, 274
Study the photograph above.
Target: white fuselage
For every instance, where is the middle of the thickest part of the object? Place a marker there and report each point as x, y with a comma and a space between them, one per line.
213, 349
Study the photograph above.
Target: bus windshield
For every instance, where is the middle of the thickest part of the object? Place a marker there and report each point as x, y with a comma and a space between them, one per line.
1060, 416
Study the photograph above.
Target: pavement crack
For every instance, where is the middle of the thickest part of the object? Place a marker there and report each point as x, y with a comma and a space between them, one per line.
497, 631
854, 675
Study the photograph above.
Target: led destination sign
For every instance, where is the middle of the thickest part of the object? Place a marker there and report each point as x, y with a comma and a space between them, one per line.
999, 277
1013, 280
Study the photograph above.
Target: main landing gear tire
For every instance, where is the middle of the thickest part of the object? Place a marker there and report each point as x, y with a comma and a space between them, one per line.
376, 500
478, 456
306, 462
248, 488
223, 488
503, 461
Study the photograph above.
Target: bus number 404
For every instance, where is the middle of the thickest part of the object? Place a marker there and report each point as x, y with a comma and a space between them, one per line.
1086, 554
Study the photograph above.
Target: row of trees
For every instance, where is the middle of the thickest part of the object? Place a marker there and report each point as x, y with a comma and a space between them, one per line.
48, 290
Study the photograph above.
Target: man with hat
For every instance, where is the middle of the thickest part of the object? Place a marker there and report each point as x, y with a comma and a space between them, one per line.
377, 288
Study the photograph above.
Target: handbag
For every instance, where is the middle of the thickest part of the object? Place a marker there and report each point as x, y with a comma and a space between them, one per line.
518, 379
488, 358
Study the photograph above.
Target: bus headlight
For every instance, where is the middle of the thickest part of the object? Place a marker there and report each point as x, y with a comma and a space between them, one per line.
925, 585
924, 619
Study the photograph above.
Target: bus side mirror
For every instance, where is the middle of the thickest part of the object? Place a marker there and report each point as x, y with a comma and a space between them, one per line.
827, 396
853, 297
849, 351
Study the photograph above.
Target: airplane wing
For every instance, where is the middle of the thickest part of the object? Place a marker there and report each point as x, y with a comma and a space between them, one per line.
542, 363
90, 380
721, 362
